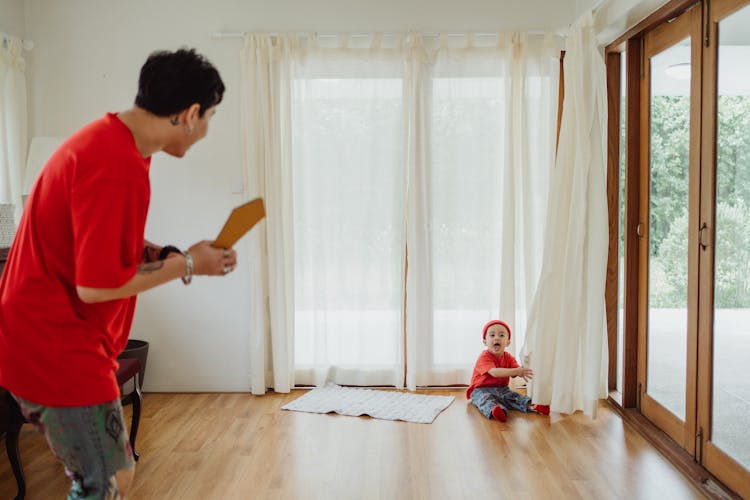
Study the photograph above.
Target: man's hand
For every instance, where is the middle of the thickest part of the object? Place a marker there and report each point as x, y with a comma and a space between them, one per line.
211, 261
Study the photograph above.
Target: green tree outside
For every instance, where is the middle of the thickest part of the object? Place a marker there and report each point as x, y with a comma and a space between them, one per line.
669, 162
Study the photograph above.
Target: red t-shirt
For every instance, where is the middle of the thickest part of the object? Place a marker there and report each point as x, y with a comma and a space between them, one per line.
83, 224
486, 362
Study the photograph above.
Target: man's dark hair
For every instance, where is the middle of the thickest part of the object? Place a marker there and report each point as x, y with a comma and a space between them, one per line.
171, 81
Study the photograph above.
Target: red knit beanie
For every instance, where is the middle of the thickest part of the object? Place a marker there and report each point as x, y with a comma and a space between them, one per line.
495, 322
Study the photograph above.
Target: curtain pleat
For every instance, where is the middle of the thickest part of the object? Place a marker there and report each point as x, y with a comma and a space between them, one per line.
13, 121
265, 75
566, 343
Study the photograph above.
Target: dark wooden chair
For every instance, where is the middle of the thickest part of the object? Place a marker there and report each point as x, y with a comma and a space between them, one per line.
11, 418
11, 421
129, 370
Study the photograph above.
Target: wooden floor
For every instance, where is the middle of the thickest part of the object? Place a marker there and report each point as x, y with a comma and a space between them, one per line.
237, 446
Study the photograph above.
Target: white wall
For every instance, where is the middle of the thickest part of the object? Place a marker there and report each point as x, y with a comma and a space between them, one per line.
85, 62
11, 18
585, 5
615, 17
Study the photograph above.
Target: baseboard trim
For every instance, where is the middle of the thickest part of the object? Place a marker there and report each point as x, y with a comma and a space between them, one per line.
698, 475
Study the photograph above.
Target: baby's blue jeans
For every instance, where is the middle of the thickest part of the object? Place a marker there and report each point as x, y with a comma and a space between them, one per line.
486, 398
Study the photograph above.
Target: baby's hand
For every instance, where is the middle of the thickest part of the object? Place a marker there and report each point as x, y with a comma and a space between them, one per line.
525, 373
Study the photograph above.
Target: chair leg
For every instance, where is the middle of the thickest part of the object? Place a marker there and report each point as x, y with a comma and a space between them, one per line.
11, 446
136, 398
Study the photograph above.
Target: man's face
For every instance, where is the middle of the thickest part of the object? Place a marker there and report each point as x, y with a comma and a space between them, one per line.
195, 129
496, 339
201, 125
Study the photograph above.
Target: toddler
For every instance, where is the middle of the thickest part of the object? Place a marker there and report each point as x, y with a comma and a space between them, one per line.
489, 389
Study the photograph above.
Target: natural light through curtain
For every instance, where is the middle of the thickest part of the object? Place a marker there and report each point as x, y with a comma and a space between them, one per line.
439, 145
349, 181
13, 132
475, 252
266, 68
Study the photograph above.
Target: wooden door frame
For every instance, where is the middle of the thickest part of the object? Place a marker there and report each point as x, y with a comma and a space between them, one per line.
631, 41
611, 290
708, 454
630, 50
628, 401
659, 39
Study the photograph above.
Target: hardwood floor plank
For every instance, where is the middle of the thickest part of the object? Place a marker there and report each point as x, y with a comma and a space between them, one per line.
238, 446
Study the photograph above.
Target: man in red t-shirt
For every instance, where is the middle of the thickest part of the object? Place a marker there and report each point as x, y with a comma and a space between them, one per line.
79, 258
489, 389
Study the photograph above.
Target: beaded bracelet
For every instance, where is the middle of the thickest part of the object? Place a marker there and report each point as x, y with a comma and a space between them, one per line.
188, 269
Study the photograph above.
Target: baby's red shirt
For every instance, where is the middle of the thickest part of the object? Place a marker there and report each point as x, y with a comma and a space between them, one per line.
486, 362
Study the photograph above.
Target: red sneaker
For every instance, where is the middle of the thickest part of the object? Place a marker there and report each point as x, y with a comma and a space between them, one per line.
541, 409
499, 414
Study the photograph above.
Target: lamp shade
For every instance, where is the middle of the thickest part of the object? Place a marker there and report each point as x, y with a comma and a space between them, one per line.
40, 149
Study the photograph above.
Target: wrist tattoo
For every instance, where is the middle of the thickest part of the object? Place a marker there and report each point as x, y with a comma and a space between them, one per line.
150, 267
150, 253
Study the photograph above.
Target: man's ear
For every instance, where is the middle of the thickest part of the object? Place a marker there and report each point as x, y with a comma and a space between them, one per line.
189, 115
192, 113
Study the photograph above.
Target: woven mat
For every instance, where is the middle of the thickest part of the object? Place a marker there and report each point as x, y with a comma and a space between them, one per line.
389, 405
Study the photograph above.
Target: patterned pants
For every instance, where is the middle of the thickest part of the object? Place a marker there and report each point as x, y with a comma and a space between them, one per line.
91, 442
486, 398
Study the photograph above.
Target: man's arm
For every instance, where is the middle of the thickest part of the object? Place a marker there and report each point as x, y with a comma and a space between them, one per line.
148, 275
206, 260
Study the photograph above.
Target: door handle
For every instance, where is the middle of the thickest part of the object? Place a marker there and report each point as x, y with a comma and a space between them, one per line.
703, 241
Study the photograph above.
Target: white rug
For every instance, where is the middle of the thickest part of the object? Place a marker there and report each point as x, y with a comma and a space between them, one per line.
390, 405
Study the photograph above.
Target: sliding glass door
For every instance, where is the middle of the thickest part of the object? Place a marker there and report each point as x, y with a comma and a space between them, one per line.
671, 181
694, 264
724, 311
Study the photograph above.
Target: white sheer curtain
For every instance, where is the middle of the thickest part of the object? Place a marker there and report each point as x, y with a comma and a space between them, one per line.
266, 67
13, 126
349, 182
361, 144
566, 339
323, 126
487, 121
